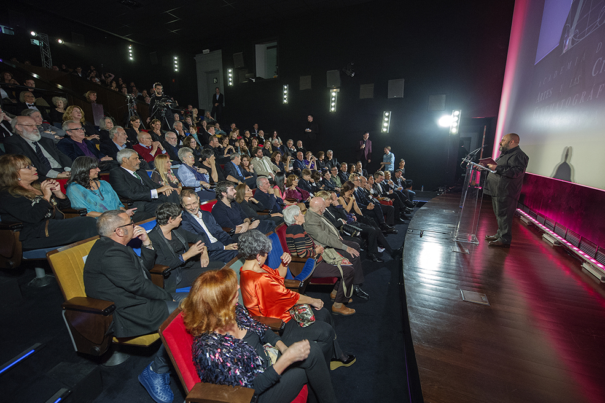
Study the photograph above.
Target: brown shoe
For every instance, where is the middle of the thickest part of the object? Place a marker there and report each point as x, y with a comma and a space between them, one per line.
343, 310
333, 295
499, 244
491, 238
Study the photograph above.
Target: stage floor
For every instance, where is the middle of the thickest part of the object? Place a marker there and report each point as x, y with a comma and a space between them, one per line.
540, 338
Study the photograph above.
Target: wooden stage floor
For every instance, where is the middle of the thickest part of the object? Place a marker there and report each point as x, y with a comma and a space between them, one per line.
541, 338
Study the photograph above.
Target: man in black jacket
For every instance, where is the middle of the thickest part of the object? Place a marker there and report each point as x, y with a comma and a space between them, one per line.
114, 272
312, 131
131, 182
172, 147
331, 160
43, 153
217, 104
505, 187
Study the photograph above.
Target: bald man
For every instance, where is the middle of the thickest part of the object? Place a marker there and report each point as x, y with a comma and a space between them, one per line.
505, 187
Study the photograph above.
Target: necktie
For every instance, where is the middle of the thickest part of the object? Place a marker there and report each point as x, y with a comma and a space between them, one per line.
136, 175
43, 160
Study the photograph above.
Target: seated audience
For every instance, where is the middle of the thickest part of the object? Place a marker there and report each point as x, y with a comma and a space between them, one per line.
321, 161
301, 244
277, 160
209, 119
179, 130
42, 152
155, 131
214, 170
131, 182
45, 130
267, 149
225, 149
220, 245
352, 169
342, 174
381, 193
236, 174
326, 182
310, 161
162, 173
76, 113
269, 197
371, 207
28, 101
243, 148
133, 130
74, 145
105, 125
56, 113
325, 234
251, 207
196, 150
172, 147
306, 183
147, 148
191, 176
117, 142
289, 149
228, 213
331, 161
299, 163
113, 272
295, 192
85, 190
299, 147
171, 244
229, 346
279, 187
360, 170
38, 206
263, 165
335, 178
246, 165
264, 294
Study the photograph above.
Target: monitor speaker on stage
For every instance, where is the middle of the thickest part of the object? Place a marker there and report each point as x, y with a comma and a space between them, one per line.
333, 77
238, 60
396, 88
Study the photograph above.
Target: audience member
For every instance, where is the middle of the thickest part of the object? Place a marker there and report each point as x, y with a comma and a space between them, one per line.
299, 163
117, 142
301, 244
171, 244
220, 245
306, 183
77, 114
276, 158
388, 160
228, 213
194, 177
264, 294
331, 161
131, 182
162, 173
42, 152
105, 125
56, 113
236, 174
295, 192
147, 148
360, 169
326, 182
251, 207
114, 272
310, 161
155, 131
171, 145
263, 166
38, 206
195, 148
45, 130
342, 174
382, 214
289, 149
321, 161
133, 130
335, 178
75, 145
28, 101
364, 150
299, 147
230, 347
267, 196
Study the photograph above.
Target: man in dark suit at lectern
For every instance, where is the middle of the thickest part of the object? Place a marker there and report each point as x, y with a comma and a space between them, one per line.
505, 187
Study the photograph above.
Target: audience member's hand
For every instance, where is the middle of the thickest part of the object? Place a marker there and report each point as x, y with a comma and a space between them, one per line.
131, 211
319, 249
64, 175
205, 259
254, 224
166, 189
139, 232
352, 252
317, 304
277, 215
371, 206
298, 351
46, 188
92, 137
232, 246
194, 250
286, 258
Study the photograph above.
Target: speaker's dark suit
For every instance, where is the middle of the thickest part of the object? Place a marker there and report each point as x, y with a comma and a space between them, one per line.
17, 145
113, 272
216, 250
126, 185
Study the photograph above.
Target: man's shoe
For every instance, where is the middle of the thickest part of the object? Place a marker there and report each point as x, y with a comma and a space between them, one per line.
333, 295
375, 258
392, 231
499, 243
361, 293
157, 385
491, 238
343, 362
396, 254
343, 310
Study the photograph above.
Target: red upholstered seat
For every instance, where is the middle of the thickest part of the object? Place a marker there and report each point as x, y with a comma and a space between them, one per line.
62, 182
178, 342
207, 205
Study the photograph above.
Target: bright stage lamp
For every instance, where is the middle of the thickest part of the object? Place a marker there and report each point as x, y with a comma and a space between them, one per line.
445, 121
33, 33
60, 41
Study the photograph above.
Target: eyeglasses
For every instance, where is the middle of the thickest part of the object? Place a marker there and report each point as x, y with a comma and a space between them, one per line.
125, 225
21, 124
77, 129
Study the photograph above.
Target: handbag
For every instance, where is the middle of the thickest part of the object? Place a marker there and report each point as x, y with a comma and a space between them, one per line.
331, 256
302, 314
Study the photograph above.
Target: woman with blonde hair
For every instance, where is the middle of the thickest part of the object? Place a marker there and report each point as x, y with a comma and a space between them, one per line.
162, 173
75, 113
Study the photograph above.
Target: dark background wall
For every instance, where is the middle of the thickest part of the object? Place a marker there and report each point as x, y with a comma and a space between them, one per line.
448, 48
106, 52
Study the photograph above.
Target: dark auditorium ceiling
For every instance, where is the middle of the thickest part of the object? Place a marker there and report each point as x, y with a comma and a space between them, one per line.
159, 23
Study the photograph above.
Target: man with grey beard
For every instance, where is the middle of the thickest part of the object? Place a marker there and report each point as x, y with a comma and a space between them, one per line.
43, 153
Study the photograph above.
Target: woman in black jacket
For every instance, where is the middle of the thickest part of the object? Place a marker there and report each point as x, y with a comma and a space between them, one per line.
252, 207
38, 206
171, 244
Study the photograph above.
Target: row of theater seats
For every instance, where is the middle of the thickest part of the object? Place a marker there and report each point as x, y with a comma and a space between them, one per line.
89, 320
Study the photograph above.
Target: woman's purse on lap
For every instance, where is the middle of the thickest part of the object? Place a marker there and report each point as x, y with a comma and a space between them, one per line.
302, 314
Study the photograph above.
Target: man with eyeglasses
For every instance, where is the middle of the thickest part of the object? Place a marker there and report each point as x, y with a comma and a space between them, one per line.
43, 153
114, 272
131, 182
75, 145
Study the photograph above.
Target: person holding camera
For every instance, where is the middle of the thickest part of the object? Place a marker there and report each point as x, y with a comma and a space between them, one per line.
159, 106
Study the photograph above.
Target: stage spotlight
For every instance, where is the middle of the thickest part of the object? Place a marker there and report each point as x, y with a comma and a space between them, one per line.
60, 41
333, 99
445, 121
176, 64
455, 122
286, 90
230, 77
33, 33
386, 122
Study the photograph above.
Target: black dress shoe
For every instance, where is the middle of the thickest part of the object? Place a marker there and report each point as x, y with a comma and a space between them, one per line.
491, 238
499, 244
375, 258
361, 293
392, 231
396, 254
343, 362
